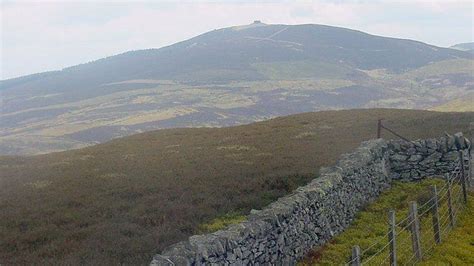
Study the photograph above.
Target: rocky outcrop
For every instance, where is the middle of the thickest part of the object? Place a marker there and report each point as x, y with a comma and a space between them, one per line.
285, 230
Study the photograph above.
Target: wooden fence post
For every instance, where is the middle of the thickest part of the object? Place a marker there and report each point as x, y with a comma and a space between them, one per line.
392, 238
415, 230
436, 231
450, 204
471, 129
355, 261
379, 128
470, 173
471, 170
463, 176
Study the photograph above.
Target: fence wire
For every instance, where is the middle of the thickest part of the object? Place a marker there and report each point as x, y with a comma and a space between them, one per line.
403, 229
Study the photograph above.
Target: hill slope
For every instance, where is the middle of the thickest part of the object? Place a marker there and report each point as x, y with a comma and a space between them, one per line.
122, 201
463, 46
224, 77
235, 49
464, 104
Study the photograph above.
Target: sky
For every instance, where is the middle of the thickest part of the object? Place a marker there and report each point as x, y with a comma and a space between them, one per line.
38, 36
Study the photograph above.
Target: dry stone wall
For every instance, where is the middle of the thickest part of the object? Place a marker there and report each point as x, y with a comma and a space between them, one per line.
417, 159
285, 230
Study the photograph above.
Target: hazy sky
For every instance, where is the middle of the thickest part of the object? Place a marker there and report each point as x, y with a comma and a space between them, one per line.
38, 36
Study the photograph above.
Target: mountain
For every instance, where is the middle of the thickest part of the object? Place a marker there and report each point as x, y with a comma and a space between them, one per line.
468, 46
226, 77
229, 53
123, 201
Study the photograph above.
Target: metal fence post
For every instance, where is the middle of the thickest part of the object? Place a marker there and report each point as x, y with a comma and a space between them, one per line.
463, 176
392, 235
415, 230
355, 261
436, 231
450, 204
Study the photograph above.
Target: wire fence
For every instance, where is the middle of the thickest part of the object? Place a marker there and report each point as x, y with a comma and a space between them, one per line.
415, 236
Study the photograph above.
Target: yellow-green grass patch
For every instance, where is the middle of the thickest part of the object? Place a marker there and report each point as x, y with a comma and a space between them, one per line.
370, 228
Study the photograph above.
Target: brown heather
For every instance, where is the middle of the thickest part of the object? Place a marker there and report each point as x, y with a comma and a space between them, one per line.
125, 200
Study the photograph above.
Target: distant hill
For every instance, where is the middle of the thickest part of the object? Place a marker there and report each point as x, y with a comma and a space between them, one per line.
462, 104
123, 201
463, 46
230, 54
224, 77
466, 47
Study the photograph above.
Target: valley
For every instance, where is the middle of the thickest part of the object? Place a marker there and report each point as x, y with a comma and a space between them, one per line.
270, 71
154, 104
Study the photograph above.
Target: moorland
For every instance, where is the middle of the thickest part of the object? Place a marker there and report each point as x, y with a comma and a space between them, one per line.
124, 200
226, 77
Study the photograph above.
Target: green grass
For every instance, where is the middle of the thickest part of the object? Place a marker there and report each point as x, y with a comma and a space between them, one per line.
458, 247
125, 200
371, 227
464, 104
453, 66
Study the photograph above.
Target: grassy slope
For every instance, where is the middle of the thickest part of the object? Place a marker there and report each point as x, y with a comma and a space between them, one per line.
458, 247
442, 67
96, 115
371, 227
126, 199
465, 104
303, 69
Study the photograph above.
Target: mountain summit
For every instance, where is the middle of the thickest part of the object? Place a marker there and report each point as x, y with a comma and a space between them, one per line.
226, 77
235, 54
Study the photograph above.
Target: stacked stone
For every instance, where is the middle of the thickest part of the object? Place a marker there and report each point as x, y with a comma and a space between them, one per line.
421, 158
287, 229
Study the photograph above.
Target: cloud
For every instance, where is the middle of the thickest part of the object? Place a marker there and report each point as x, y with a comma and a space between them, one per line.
39, 36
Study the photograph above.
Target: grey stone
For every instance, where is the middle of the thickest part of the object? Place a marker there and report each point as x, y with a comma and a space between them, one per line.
284, 231
459, 141
237, 252
415, 158
161, 260
231, 257
399, 157
450, 156
450, 142
411, 151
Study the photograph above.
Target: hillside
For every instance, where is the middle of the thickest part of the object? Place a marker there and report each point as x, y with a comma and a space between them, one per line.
200, 59
463, 46
464, 104
124, 200
226, 77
